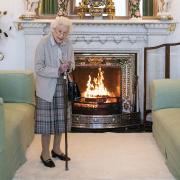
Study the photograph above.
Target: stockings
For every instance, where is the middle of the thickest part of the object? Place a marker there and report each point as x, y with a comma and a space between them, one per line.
45, 141
56, 143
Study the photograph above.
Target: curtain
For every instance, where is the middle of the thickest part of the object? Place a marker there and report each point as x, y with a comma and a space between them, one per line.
147, 7
49, 7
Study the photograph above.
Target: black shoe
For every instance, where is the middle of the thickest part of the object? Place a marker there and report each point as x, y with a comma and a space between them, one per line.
61, 156
48, 163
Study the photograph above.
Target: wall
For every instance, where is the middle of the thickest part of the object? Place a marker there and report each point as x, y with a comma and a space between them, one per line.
174, 10
175, 37
14, 47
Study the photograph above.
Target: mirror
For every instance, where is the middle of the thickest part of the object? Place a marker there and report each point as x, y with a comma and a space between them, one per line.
49, 8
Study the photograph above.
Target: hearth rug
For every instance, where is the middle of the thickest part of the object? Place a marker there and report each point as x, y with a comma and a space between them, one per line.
100, 156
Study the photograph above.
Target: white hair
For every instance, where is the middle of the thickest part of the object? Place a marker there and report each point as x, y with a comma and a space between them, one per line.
61, 21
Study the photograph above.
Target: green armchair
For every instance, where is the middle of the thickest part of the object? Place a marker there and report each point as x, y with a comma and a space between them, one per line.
17, 100
166, 121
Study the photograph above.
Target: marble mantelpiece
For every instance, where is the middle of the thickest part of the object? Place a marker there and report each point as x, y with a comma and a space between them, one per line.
106, 36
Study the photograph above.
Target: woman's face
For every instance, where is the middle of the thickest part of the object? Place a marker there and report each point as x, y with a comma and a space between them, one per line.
60, 33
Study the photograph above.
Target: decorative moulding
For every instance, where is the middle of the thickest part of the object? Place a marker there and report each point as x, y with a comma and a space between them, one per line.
103, 31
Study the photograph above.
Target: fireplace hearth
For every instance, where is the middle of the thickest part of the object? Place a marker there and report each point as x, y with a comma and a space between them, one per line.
107, 83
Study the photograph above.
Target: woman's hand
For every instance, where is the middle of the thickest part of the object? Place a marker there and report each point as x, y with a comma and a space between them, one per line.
69, 63
63, 68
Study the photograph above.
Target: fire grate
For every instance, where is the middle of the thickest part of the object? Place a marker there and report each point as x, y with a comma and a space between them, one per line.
107, 121
118, 108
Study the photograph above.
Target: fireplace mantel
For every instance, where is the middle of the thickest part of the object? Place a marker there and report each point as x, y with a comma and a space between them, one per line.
41, 26
103, 36
116, 32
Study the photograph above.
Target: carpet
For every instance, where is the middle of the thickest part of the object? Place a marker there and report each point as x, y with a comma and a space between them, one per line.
100, 156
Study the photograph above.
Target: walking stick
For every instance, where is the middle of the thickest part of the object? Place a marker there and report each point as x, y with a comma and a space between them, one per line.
65, 118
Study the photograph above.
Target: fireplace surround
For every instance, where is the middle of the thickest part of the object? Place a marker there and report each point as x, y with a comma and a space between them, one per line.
105, 37
119, 78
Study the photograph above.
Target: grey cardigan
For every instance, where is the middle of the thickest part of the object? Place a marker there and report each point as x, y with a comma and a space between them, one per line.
47, 62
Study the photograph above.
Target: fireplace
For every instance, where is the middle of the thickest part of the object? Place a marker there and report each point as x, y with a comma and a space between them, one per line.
114, 37
107, 84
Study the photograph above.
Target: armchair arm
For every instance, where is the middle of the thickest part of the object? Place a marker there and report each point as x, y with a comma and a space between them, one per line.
2, 125
2, 142
17, 86
165, 94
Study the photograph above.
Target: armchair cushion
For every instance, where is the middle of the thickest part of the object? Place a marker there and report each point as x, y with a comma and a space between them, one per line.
19, 127
17, 86
165, 94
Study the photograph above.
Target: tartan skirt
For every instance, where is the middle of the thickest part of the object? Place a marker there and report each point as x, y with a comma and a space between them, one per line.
49, 116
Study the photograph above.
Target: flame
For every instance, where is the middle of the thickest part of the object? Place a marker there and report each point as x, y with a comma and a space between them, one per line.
96, 88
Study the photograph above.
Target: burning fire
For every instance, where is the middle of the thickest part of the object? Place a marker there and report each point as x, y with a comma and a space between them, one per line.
96, 88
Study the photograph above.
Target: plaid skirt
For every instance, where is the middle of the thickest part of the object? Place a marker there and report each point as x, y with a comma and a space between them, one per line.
49, 116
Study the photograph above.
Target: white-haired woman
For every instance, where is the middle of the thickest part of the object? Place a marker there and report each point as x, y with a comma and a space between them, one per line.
54, 55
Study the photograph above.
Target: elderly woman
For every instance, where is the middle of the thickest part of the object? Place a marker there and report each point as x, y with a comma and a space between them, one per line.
54, 56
